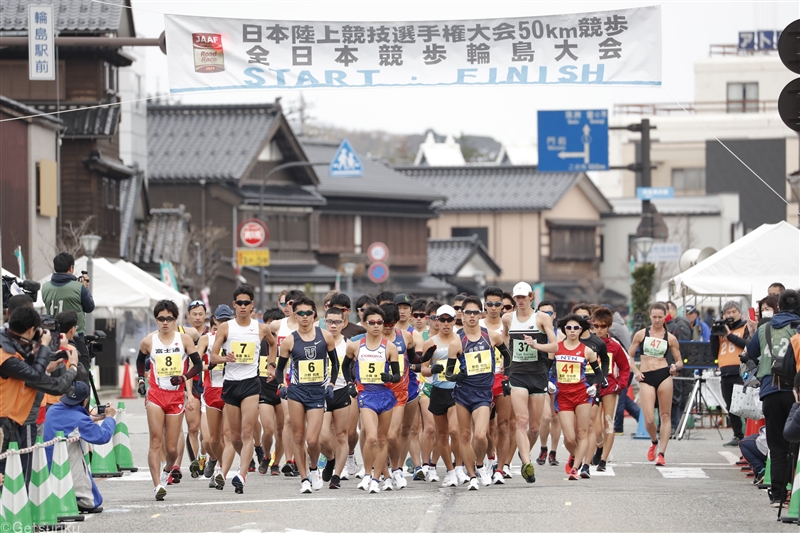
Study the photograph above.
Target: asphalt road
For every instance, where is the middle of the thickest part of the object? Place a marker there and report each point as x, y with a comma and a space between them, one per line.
699, 490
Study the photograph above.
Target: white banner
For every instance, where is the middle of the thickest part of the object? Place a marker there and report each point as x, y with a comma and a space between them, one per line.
41, 43
620, 47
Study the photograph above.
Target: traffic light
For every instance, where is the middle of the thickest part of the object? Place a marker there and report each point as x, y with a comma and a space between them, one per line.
789, 52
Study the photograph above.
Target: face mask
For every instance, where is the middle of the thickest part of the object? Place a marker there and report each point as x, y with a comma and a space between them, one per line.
767, 314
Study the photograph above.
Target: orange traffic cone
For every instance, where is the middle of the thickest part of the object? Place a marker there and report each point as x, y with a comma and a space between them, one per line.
127, 388
753, 426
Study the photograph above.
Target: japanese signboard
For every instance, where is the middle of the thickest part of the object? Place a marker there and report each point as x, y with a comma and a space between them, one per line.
652, 193
759, 40
573, 140
41, 43
252, 258
621, 47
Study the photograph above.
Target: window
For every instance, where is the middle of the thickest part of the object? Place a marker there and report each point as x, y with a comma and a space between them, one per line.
689, 180
743, 97
572, 243
111, 210
111, 77
482, 233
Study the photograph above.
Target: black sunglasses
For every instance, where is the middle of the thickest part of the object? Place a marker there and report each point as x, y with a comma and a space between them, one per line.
243, 303
493, 304
471, 312
165, 318
418, 315
508, 307
446, 319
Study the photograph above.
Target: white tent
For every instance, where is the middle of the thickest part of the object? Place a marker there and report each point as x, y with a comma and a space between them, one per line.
155, 287
768, 254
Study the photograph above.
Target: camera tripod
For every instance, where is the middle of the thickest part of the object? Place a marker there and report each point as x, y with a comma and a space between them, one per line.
696, 399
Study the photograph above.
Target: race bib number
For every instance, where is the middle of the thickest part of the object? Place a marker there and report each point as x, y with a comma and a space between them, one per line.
370, 372
263, 367
478, 362
569, 372
311, 371
654, 347
524, 353
169, 365
401, 360
498, 362
244, 352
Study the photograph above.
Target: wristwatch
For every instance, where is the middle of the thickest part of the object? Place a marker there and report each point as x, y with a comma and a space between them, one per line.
273, 365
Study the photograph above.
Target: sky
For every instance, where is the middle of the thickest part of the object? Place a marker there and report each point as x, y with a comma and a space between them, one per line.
506, 113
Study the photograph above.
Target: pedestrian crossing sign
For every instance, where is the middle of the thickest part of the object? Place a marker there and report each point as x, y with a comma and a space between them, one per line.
345, 163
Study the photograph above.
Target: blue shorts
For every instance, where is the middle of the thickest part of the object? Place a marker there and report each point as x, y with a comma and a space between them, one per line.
311, 396
413, 388
378, 401
472, 398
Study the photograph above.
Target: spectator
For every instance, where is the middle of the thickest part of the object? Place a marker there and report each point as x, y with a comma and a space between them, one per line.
64, 292
15, 302
727, 349
619, 330
678, 325
700, 330
791, 430
754, 449
682, 329
776, 388
24, 356
710, 318
71, 417
775, 289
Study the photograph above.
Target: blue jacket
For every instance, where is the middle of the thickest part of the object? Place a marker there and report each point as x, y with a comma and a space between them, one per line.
769, 386
705, 331
60, 279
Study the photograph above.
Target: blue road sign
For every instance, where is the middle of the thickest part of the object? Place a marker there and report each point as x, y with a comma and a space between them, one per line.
573, 141
345, 163
654, 193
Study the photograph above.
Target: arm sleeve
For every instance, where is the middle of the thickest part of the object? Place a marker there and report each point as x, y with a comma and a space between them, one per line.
791, 431
280, 368
503, 349
624, 366
450, 368
59, 385
395, 368
197, 366
87, 302
598, 370
347, 369
140, 359
94, 433
334, 365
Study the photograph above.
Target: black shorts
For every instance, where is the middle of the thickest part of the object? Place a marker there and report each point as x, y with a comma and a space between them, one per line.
533, 383
654, 378
441, 400
311, 396
234, 392
269, 392
341, 399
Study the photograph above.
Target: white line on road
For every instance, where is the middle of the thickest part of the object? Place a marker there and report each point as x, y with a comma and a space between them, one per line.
609, 471
731, 458
682, 473
277, 500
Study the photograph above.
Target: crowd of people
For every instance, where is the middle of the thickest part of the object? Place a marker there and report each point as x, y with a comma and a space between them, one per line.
419, 387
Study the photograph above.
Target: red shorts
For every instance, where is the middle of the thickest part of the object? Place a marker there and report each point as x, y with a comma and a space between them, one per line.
400, 391
170, 401
497, 386
568, 399
213, 398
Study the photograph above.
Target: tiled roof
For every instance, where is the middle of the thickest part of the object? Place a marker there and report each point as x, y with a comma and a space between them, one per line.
709, 204
161, 237
21, 109
91, 122
281, 195
378, 181
494, 188
73, 16
447, 256
216, 142
299, 273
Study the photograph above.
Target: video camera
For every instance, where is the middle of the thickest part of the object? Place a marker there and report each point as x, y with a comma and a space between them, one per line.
13, 286
718, 328
93, 342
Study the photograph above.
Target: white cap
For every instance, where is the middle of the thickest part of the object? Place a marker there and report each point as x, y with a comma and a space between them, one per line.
522, 289
446, 310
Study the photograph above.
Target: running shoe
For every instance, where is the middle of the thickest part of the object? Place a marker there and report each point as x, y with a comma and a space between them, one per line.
327, 472
259, 454
335, 482
194, 469
238, 484
450, 480
219, 481
263, 466
315, 478
585, 472
364, 485
461, 475
651, 451
483, 476
159, 492
351, 466
212, 483
573, 474
542, 457
164, 478
431, 476
528, 472
492, 463
252, 466
287, 469
473, 484
388, 484
295, 471
552, 458
498, 479
570, 464
399, 479
660, 461
507, 472
602, 466
374, 487
598, 454
201, 462
275, 470
419, 474
361, 473
211, 465
175, 474
305, 487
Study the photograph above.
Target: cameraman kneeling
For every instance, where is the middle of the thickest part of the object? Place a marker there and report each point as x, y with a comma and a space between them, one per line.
71, 417
728, 340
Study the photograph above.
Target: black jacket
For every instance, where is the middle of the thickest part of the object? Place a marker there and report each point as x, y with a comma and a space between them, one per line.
791, 431
30, 368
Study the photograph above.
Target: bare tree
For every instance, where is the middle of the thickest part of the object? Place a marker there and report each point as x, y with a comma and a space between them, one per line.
200, 263
70, 239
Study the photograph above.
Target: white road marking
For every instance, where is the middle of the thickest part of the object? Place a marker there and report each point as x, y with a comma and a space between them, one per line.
731, 458
682, 473
276, 500
609, 471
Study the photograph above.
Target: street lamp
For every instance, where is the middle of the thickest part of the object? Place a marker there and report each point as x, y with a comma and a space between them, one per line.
90, 244
643, 246
349, 270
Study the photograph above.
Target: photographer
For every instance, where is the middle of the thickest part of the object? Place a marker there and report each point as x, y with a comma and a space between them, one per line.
71, 417
728, 341
769, 345
24, 356
65, 292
